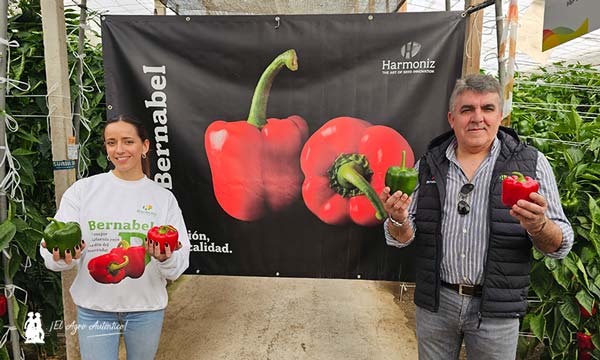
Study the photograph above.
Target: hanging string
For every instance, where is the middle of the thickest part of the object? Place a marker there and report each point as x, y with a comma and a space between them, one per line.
11, 183
562, 86
12, 82
9, 292
83, 159
474, 32
557, 141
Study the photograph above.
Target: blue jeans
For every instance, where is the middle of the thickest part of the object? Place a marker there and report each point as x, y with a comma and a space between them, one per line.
99, 333
441, 334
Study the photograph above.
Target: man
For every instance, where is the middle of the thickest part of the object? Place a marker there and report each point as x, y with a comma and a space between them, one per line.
474, 253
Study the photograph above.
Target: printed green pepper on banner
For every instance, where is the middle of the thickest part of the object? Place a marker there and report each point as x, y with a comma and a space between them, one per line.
344, 163
64, 236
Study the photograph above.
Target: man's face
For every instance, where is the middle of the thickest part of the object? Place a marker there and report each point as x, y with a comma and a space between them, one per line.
475, 120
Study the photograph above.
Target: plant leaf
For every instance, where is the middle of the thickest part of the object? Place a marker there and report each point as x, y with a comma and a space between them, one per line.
7, 232
583, 271
594, 210
585, 300
570, 311
537, 324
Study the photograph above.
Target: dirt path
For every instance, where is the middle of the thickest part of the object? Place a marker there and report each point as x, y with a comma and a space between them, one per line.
217, 317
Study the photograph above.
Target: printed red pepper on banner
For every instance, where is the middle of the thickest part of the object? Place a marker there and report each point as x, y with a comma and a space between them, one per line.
344, 164
165, 234
517, 187
255, 163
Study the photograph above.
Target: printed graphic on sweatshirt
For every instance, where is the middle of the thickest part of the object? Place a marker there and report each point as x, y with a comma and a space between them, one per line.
123, 261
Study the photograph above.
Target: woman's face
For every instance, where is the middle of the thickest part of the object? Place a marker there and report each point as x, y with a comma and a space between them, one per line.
125, 148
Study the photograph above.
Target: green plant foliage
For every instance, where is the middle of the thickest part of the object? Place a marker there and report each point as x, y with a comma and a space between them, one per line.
558, 112
31, 147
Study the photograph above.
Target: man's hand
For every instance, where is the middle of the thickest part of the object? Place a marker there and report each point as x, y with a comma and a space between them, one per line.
396, 205
68, 256
544, 233
531, 214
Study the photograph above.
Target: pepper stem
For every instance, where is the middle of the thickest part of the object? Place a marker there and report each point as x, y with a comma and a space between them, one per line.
349, 175
520, 177
59, 224
165, 229
258, 109
124, 244
403, 159
113, 267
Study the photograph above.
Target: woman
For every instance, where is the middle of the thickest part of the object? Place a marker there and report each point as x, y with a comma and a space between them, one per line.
121, 204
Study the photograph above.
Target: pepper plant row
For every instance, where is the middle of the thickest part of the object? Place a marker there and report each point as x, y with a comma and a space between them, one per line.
568, 290
31, 147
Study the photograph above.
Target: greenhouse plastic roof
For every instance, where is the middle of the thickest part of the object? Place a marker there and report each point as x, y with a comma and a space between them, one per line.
585, 49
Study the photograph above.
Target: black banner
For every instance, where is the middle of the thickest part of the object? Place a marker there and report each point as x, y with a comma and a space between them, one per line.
261, 183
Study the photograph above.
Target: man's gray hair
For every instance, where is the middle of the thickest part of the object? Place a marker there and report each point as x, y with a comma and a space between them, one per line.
477, 83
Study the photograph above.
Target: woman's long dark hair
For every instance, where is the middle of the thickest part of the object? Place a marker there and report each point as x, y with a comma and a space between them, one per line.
141, 131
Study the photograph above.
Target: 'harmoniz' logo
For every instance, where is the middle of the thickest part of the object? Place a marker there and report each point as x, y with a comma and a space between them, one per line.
411, 63
410, 50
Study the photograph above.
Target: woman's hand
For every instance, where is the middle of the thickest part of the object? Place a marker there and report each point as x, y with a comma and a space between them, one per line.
153, 248
68, 256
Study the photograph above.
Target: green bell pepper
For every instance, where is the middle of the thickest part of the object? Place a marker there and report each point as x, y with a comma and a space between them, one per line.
570, 202
402, 178
64, 236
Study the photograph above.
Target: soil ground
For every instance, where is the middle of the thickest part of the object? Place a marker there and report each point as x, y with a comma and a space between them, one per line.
218, 317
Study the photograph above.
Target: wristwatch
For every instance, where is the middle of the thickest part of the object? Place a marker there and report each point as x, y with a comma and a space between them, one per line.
397, 223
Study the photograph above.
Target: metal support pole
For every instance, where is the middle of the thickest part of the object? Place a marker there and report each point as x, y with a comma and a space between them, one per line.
3, 85
448, 5
81, 54
499, 30
14, 333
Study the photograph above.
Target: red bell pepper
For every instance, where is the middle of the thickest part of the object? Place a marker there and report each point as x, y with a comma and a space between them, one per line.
344, 164
517, 187
586, 314
137, 258
165, 234
3, 305
584, 341
108, 268
255, 163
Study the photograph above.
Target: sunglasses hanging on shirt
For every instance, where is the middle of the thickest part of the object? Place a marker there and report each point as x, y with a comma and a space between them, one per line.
463, 206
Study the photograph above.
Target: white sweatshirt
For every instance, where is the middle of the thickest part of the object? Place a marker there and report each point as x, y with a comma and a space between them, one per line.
106, 206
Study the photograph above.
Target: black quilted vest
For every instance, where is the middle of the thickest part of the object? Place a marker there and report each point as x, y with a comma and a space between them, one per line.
506, 273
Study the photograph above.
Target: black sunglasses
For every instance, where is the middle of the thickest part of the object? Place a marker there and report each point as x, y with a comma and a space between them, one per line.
463, 207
